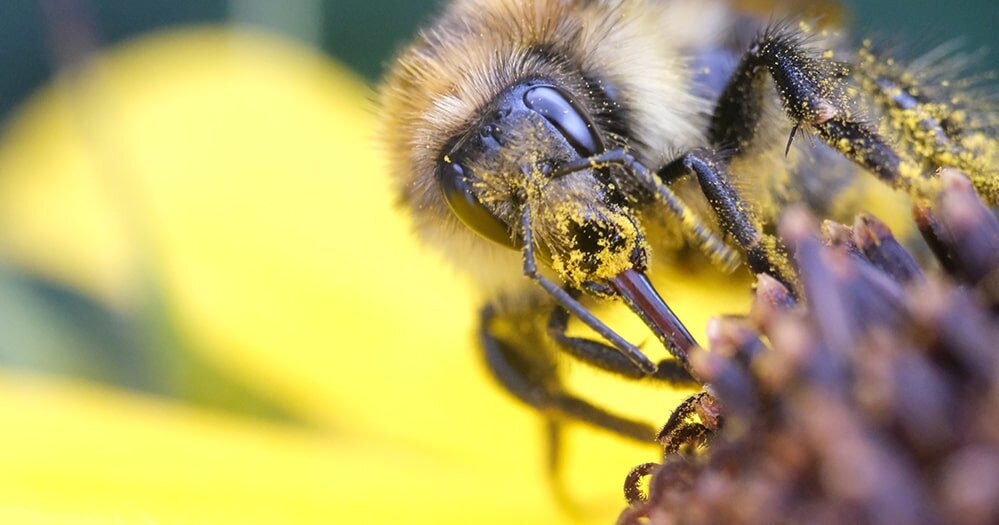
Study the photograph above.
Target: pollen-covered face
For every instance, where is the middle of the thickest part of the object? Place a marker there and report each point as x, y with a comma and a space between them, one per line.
518, 135
505, 165
590, 237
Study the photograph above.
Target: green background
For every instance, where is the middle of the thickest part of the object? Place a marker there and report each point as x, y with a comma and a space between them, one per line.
364, 33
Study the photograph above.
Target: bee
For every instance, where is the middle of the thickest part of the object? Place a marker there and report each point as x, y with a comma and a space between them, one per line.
550, 148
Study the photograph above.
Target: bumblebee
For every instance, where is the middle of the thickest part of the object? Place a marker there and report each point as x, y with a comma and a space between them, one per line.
550, 147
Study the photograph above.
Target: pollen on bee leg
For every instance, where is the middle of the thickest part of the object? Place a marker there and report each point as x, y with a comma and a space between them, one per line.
721, 254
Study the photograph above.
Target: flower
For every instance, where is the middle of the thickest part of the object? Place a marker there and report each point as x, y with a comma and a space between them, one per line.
874, 398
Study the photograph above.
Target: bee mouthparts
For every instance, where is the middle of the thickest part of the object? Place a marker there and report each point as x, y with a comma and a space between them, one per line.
639, 294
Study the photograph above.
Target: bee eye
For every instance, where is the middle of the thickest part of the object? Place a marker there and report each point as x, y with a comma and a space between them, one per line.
466, 206
556, 106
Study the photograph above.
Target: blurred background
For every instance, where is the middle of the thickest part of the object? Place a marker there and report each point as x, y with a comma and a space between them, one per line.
210, 312
364, 34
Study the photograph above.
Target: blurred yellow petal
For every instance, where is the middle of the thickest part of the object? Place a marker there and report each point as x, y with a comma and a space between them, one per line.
243, 172
76, 454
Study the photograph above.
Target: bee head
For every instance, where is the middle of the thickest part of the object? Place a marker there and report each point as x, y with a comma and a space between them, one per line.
506, 160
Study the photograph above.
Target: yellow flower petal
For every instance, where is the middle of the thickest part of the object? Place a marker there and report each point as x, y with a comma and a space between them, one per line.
76, 454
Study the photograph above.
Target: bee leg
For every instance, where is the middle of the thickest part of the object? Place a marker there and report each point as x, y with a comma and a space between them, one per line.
693, 227
608, 358
940, 129
540, 388
732, 211
626, 349
554, 430
692, 424
812, 95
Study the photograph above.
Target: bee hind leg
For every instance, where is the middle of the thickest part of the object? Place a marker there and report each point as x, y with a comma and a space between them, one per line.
936, 122
536, 383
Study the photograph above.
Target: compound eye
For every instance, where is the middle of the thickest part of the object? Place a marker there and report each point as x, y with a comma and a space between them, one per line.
556, 106
466, 206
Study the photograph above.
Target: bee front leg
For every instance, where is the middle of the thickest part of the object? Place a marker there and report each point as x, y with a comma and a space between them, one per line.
732, 211
569, 302
608, 358
534, 381
693, 227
